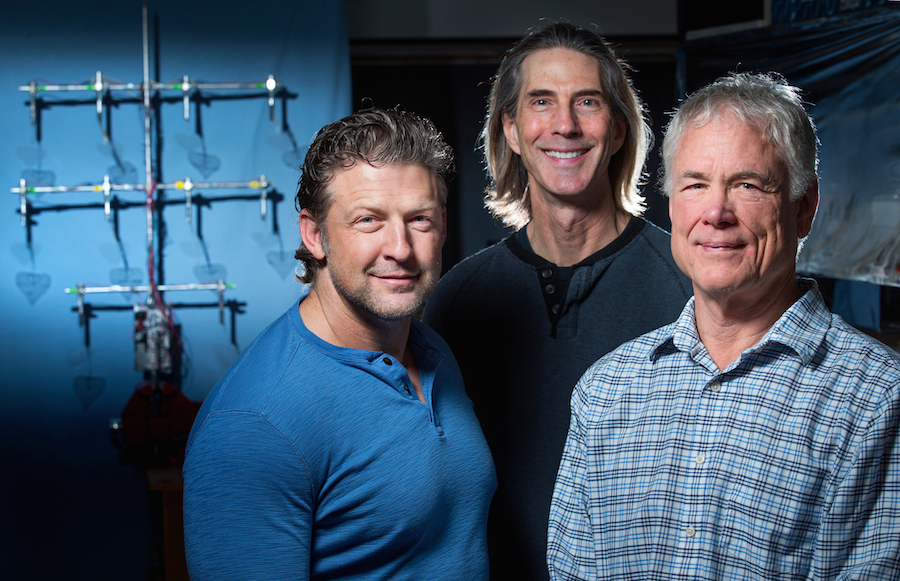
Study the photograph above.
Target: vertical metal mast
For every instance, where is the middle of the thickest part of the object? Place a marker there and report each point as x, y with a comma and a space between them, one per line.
150, 181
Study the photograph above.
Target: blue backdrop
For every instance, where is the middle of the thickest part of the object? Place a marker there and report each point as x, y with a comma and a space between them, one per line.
70, 509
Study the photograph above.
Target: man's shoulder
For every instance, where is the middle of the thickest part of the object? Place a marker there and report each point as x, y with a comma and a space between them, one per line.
617, 372
647, 344
654, 232
645, 268
433, 338
260, 367
472, 279
846, 343
634, 356
655, 238
485, 259
822, 335
283, 383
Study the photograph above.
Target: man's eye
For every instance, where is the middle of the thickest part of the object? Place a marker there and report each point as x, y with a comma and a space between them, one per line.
367, 223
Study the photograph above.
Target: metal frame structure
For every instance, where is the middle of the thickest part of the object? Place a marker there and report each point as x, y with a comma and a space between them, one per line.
190, 89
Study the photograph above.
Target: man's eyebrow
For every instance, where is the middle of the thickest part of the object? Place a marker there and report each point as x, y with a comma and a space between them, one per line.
581, 93
539, 93
764, 178
694, 175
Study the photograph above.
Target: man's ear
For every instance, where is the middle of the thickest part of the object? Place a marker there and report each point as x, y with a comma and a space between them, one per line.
511, 132
311, 234
806, 209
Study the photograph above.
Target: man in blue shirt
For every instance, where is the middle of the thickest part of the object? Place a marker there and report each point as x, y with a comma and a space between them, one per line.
341, 444
755, 437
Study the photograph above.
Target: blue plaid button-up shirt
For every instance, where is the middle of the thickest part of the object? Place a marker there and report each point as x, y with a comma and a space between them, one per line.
785, 465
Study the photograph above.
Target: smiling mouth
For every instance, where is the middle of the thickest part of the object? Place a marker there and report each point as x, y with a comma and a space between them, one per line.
566, 154
721, 246
398, 278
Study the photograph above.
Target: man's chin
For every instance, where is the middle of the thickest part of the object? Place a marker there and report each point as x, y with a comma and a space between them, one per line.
394, 315
397, 307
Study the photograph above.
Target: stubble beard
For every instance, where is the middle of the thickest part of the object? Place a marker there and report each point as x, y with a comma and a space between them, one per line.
364, 298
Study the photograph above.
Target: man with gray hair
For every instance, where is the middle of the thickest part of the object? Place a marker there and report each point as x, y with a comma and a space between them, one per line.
341, 444
756, 436
565, 141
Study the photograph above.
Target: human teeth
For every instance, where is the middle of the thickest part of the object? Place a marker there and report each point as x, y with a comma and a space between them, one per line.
565, 154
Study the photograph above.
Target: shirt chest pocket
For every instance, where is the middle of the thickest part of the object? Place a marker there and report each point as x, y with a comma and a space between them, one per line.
771, 515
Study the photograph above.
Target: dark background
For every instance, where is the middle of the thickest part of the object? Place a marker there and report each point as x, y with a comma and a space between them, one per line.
76, 503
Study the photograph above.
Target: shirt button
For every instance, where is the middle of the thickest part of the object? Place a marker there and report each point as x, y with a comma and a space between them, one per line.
546, 273
690, 532
550, 289
700, 459
387, 361
555, 309
715, 386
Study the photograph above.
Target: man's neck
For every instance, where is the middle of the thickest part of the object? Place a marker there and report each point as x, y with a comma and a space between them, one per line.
728, 326
338, 327
566, 233
342, 327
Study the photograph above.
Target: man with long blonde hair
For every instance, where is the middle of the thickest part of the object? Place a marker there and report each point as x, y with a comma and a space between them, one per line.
565, 141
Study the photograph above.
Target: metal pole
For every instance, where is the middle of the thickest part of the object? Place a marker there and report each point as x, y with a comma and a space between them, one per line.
147, 149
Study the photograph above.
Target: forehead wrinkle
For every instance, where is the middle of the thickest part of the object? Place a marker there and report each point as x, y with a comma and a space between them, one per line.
369, 200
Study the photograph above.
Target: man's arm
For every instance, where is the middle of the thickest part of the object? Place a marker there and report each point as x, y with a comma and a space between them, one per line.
570, 537
247, 502
860, 536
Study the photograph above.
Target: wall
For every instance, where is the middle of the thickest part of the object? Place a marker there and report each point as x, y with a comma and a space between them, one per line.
71, 508
458, 19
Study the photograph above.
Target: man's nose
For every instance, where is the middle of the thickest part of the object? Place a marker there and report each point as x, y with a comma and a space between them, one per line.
565, 121
398, 246
718, 211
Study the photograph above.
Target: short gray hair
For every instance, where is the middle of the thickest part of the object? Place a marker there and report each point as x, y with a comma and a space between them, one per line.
764, 101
